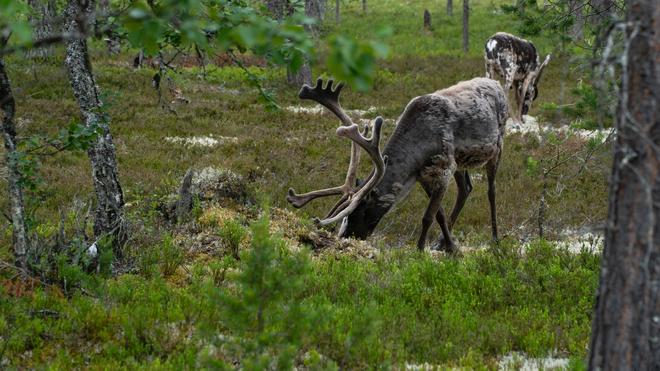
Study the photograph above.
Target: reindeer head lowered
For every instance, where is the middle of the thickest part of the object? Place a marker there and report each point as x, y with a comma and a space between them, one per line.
351, 193
438, 135
530, 86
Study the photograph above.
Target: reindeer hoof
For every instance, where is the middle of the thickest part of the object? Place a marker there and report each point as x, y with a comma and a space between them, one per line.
449, 248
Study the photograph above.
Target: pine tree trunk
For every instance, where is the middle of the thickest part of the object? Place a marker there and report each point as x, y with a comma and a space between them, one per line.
111, 38
576, 9
602, 17
466, 15
302, 76
43, 13
313, 8
427, 20
278, 8
626, 326
108, 216
450, 8
19, 231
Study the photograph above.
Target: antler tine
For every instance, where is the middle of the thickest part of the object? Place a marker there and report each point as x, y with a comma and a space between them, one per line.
300, 200
327, 97
372, 146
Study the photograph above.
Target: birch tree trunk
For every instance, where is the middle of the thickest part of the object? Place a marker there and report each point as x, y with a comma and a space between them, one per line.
108, 216
19, 231
626, 327
43, 13
466, 15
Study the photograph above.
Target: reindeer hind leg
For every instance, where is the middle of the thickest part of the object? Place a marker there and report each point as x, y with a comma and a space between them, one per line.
491, 172
464, 188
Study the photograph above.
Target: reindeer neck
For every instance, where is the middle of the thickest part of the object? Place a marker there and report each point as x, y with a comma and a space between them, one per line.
403, 166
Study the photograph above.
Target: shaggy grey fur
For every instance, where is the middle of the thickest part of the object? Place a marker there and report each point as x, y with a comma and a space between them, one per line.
438, 136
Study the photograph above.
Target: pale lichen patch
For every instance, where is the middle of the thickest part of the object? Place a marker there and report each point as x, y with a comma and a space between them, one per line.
520, 361
202, 141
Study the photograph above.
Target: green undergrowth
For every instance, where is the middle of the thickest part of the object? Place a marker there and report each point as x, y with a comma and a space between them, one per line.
187, 300
279, 307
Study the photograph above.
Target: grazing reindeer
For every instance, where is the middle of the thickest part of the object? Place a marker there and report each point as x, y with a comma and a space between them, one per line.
437, 136
517, 61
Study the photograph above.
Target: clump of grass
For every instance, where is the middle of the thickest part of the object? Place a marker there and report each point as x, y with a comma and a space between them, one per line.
232, 234
171, 256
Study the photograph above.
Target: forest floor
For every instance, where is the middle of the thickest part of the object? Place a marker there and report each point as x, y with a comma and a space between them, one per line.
179, 297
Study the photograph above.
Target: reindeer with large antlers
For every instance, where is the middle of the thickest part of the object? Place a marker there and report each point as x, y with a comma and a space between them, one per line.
438, 136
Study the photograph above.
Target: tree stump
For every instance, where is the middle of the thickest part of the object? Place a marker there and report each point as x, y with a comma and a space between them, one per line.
427, 20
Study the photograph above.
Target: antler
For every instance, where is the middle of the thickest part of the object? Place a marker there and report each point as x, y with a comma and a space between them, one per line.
351, 194
329, 98
349, 202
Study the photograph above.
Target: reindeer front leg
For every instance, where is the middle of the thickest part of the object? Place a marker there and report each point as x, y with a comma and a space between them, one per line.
435, 189
519, 101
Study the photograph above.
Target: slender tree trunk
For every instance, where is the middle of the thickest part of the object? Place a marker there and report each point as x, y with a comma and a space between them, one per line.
364, 6
304, 74
278, 8
43, 13
576, 9
111, 38
626, 326
427, 20
602, 13
450, 8
337, 11
108, 216
466, 15
19, 231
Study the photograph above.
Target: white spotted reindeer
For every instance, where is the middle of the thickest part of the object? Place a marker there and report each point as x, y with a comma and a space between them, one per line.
517, 61
439, 135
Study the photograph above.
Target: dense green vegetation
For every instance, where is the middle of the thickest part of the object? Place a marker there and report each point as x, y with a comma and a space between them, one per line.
180, 298
328, 312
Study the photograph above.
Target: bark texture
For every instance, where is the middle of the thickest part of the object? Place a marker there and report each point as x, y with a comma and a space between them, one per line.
108, 216
466, 16
19, 232
576, 9
111, 38
43, 13
279, 8
601, 12
626, 327
314, 9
